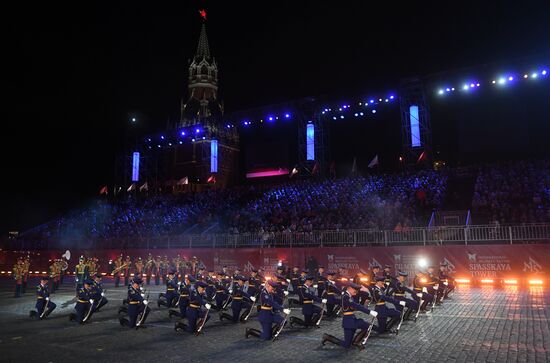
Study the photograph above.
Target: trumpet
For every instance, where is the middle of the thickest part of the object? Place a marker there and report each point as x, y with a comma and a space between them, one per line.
120, 268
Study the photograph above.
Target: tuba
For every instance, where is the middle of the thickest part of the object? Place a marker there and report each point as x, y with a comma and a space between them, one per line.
63, 265
120, 268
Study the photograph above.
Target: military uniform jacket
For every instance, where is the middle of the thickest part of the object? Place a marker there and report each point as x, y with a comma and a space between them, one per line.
171, 285
400, 290
96, 290
83, 296
349, 306
332, 292
42, 292
307, 297
134, 296
380, 298
268, 307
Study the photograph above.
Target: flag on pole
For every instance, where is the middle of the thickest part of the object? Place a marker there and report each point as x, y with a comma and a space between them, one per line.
315, 169
211, 179
183, 181
103, 190
422, 157
144, 187
131, 187
374, 162
354, 166
293, 172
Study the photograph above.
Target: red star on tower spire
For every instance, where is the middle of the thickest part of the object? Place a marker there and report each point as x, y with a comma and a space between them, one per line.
203, 14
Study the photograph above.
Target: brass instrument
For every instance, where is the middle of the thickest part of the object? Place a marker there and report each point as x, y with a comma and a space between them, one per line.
120, 268
63, 265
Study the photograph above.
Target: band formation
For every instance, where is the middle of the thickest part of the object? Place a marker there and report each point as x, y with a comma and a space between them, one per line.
193, 294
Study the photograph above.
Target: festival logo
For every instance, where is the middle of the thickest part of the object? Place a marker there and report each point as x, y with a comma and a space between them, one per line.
248, 266
488, 266
350, 264
531, 266
450, 265
397, 258
373, 263
405, 263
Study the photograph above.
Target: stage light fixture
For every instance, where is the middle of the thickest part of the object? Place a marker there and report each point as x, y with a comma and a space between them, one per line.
501, 81
371, 101
452, 89
448, 90
355, 114
197, 131
334, 117
465, 87
287, 115
534, 75
543, 72
193, 140
440, 92
181, 142
472, 85
342, 117
162, 137
510, 282
525, 76
361, 113
493, 82
158, 146
169, 144
536, 282
463, 281
510, 78
183, 133
373, 111
270, 118
487, 281
422, 262
391, 97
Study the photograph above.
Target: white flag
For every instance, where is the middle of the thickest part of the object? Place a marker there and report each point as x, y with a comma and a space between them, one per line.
131, 187
373, 162
144, 187
183, 181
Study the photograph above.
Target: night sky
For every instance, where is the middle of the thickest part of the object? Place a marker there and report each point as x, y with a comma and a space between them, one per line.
78, 72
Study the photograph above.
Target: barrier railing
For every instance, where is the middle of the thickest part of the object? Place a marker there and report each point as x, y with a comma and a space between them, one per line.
481, 234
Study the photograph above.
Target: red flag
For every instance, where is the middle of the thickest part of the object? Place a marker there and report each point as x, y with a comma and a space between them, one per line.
315, 169
211, 179
103, 190
422, 157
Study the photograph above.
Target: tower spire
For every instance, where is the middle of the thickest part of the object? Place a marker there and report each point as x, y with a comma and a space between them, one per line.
203, 50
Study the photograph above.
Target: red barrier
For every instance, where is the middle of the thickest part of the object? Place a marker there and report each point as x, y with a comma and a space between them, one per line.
479, 261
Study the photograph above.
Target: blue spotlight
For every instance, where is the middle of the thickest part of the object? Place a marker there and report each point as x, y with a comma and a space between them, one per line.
197, 131
287, 115
392, 97
373, 111
361, 113
543, 72
501, 81
169, 144
472, 85
270, 118
162, 137
386, 100
534, 75
448, 90
181, 142
371, 101
158, 146
183, 133
193, 140
525, 76
355, 114
510, 78
334, 117
440, 92
342, 116
465, 87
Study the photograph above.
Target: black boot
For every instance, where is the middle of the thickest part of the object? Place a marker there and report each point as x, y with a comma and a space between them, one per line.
123, 321
226, 316
358, 339
331, 339
32, 314
253, 332
72, 317
180, 326
296, 320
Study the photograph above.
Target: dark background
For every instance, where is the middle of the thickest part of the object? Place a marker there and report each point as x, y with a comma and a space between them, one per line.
77, 72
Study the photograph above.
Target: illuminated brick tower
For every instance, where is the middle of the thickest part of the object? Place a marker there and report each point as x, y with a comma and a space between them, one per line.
213, 154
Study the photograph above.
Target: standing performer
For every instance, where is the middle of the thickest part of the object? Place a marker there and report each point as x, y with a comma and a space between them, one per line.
349, 322
126, 269
157, 269
138, 267
117, 270
311, 311
164, 267
26, 267
18, 272
81, 273
83, 302
43, 306
237, 302
53, 275
149, 264
321, 281
269, 313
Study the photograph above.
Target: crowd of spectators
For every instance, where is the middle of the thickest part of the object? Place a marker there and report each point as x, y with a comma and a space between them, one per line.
514, 192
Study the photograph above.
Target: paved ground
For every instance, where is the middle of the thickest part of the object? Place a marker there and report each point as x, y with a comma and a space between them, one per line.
477, 325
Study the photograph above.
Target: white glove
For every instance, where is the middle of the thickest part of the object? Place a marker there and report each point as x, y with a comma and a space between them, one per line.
419, 295
230, 291
207, 305
425, 289
373, 313
142, 295
436, 287
445, 283
287, 280
47, 299
145, 302
315, 286
286, 311
102, 294
324, 301
286, 293
91, 301
253, 298
402, 303
179, 283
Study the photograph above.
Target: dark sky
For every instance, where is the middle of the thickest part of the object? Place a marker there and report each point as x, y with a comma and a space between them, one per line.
77, 72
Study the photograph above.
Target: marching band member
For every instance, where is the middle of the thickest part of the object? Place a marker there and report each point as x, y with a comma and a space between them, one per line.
18, 272
149, 268
127, 264
81, 273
